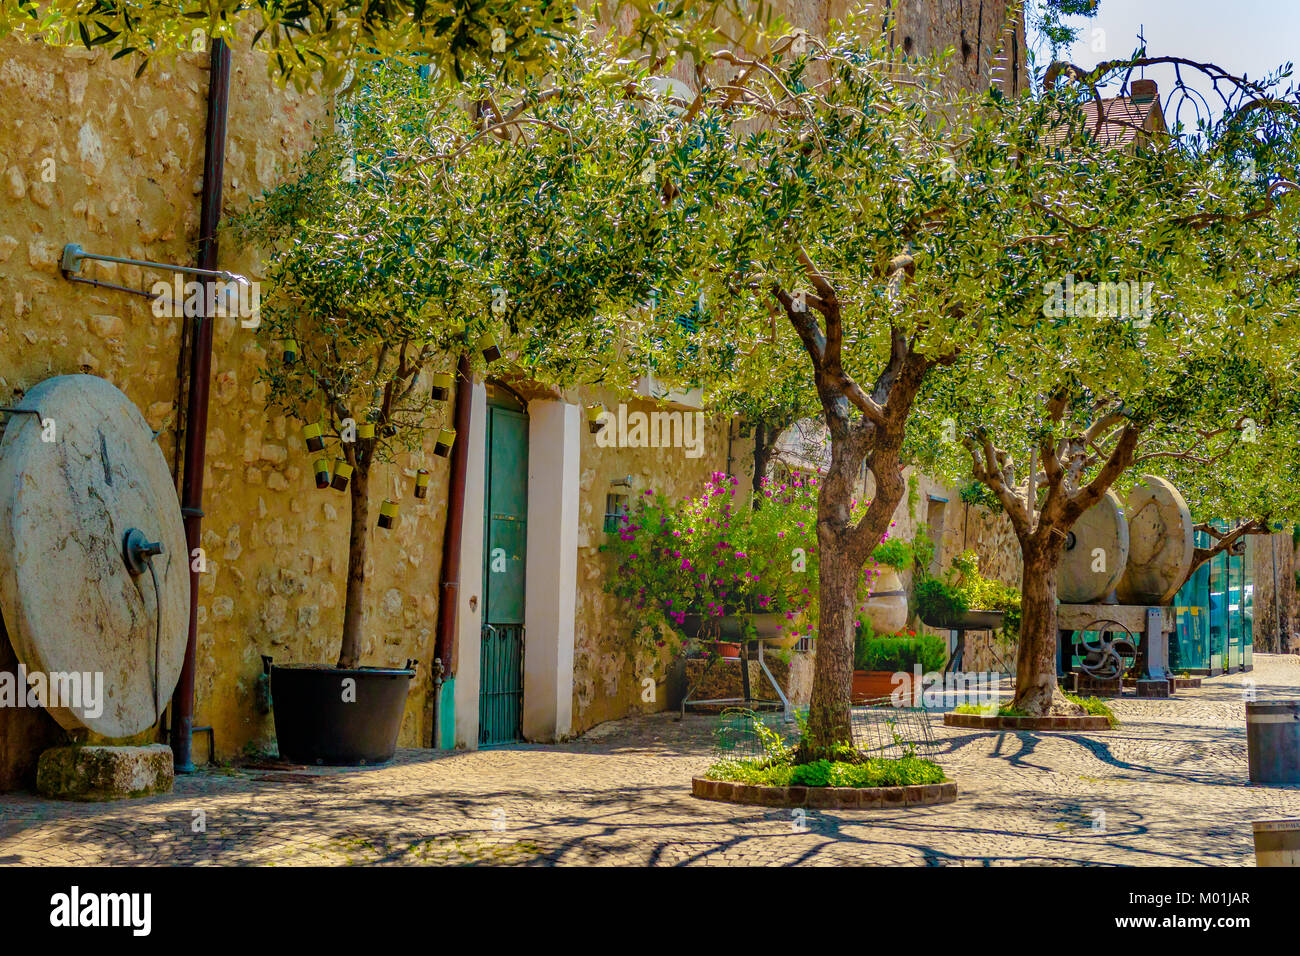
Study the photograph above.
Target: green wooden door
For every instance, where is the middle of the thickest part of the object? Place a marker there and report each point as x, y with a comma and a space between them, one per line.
505, 543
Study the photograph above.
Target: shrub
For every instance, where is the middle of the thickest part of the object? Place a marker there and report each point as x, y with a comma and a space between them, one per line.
963, 588
938, 602
708, 557
1094, 706
895, 553
898, 652
871, 772
1090, 705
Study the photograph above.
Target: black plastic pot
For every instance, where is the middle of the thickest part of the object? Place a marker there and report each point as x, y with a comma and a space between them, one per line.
320, 720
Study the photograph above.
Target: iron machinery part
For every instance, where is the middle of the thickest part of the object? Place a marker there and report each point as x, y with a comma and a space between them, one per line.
1104, 660
137, 550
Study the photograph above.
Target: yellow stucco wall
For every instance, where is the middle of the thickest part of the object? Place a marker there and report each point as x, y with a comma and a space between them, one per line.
127, 172
92, 155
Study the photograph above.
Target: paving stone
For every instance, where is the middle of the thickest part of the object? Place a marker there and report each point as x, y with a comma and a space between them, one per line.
1167, 787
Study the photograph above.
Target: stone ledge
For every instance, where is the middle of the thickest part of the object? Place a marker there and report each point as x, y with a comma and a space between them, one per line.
105, 773
982, 722
825, 798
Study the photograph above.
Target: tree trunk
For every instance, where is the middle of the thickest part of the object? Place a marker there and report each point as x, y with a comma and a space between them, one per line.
829, 721
1037, 693
358, 538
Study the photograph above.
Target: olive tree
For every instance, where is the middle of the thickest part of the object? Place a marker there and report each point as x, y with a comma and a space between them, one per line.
319, 42
888, 235
1151, 327
444, 222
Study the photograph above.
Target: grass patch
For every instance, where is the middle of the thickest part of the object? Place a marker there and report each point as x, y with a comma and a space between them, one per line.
1091, 705
1095, 706
871, 772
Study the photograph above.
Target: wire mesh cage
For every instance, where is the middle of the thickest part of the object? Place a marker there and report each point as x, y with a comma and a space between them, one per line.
744, 734
880, 730
883, 730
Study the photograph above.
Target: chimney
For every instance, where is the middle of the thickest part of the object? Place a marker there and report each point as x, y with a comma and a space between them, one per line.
1144, 91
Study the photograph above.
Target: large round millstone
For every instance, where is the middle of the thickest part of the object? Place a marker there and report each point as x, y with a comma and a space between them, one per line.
1095, 554
1161, 543
68, 600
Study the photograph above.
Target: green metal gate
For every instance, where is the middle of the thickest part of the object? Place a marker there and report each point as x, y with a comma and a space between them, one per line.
505, 542
501, 685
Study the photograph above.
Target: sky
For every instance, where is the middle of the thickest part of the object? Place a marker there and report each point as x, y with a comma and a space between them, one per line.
1242, 36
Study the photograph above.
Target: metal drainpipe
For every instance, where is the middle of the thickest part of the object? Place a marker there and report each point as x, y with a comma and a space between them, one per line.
449, 590
196, 415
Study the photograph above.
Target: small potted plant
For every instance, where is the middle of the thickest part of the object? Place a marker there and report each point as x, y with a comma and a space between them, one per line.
966, 600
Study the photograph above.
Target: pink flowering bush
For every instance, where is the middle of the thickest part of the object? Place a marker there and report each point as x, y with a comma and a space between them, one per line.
711, 556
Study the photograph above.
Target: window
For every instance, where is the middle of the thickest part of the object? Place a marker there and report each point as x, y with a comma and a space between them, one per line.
615, 511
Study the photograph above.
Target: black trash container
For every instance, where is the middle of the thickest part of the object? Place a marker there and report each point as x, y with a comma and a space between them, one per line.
1273, 741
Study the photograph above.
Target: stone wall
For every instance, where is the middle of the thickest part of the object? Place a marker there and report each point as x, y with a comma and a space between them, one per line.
91, 154
114, 163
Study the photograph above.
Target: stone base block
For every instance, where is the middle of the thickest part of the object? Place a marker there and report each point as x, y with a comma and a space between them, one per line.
994, 722
104, 773
1180, 683
1155, 688
1096, 687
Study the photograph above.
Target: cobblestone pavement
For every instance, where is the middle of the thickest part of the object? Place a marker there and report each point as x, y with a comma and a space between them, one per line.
1170, 782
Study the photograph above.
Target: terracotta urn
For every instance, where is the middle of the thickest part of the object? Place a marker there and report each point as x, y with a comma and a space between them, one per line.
886, 609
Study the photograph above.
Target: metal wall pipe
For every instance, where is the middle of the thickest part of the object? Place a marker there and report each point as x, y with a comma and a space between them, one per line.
449, 590
200, 377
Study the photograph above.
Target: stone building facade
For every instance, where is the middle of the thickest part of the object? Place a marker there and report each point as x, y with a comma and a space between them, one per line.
91, 154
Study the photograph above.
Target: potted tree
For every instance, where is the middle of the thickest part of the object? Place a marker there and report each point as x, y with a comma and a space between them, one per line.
355, 383
394, 252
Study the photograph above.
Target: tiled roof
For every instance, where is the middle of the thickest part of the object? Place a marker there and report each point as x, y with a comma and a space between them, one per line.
1124, 117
